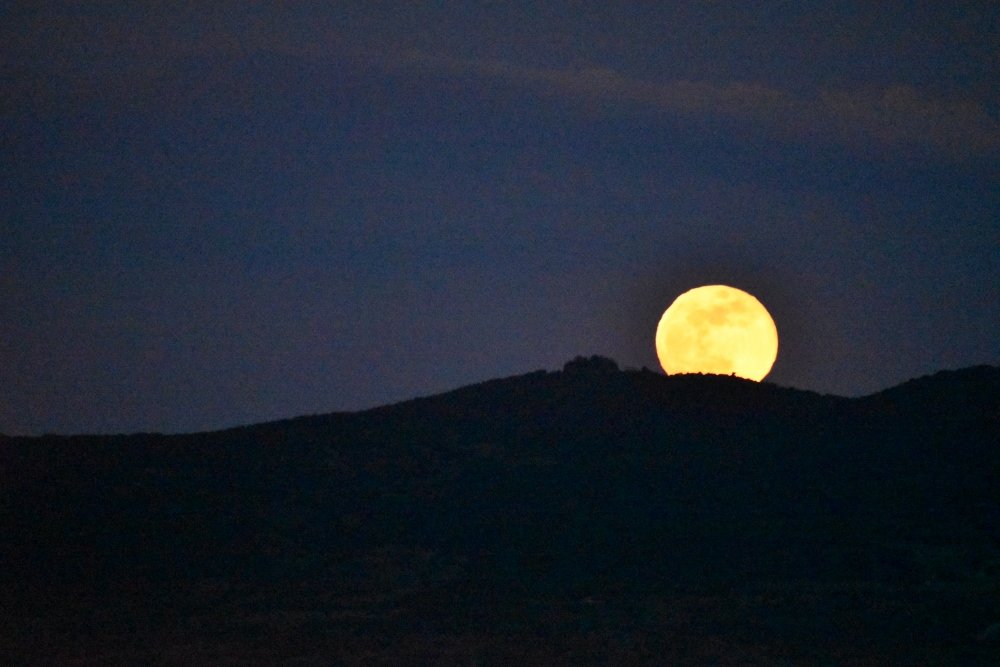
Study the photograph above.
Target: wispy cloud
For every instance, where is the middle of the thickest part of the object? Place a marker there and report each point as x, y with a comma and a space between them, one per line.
904, 115
898, 116
892, 118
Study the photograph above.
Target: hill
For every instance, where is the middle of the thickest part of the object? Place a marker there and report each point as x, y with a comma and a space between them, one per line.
587, 516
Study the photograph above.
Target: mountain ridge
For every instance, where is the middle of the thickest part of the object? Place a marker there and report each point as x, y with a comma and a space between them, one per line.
492, 510
984, 373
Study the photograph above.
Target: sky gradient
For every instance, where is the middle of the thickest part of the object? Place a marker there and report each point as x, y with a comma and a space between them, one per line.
212, 217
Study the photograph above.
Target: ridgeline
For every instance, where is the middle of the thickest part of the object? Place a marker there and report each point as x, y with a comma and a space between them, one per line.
586, 516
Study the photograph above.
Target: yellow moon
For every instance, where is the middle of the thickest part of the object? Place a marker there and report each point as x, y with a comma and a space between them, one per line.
717, 329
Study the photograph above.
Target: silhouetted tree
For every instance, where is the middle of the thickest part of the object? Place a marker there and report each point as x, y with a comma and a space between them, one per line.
595, 364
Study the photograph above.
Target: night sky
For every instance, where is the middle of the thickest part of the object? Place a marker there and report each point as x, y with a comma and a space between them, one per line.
226, 215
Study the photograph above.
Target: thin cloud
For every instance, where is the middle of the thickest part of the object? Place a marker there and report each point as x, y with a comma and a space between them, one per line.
869, 120
903, 115
898, 116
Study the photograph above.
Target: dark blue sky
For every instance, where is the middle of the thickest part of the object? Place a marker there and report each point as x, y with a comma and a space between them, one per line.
211, 217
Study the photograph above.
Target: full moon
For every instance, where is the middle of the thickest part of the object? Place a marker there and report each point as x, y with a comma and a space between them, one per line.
717, 329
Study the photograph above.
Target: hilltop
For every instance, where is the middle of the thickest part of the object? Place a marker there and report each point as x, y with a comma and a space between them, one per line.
588, 515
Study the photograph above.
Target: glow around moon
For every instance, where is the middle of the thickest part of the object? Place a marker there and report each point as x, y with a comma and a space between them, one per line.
717, 329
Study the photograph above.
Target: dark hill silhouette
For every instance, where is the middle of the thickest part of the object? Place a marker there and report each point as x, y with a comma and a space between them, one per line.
588, 516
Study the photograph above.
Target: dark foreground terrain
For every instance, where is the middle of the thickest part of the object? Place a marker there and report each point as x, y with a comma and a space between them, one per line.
588, 516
